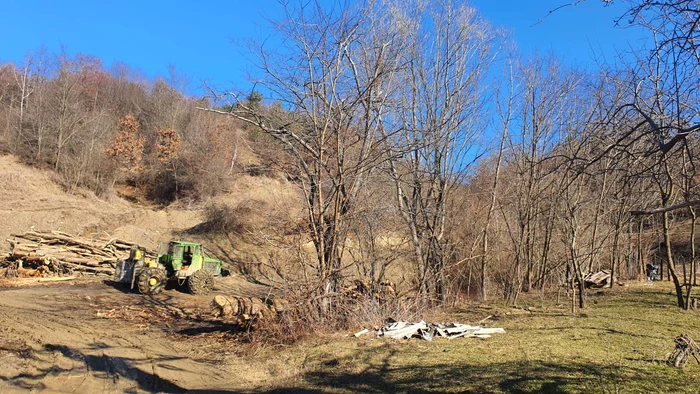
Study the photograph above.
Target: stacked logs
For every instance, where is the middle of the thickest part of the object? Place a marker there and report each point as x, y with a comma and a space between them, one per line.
381, 292
57, 254
244, 309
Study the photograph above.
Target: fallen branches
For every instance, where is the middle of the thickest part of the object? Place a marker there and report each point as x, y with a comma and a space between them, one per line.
61, 279
666, 209
685, 347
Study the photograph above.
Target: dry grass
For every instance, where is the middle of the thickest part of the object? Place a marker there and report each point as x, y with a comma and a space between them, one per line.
618, 345
221, 217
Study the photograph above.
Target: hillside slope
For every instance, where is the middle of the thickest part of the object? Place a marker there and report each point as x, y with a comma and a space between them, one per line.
31, 200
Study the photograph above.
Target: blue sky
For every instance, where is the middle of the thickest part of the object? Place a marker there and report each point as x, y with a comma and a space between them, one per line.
196, 37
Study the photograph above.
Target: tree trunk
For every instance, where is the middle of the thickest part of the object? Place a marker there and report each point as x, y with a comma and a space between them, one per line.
489, 213
614, 256
640, 251
693, 262
669, 261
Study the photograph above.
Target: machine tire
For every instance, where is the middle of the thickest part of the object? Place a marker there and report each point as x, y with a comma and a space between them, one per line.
144, 280
200, 282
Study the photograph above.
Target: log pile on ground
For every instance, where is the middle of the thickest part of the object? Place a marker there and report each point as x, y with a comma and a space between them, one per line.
42, 254
361, 289
245, 309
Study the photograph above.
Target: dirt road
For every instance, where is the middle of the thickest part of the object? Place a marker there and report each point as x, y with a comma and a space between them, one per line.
91, 337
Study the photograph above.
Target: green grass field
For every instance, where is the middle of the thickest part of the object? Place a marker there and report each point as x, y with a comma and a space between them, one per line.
617, 345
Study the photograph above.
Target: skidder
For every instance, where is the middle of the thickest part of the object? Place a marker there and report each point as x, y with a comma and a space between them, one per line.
184, 262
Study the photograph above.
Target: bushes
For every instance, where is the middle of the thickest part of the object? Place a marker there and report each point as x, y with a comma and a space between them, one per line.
242, 218
221, 217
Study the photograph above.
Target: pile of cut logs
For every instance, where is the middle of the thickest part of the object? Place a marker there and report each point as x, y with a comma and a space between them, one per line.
58, 254
361, 289
244, 309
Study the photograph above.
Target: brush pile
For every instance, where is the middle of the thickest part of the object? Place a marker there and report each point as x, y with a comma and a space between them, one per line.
42, 254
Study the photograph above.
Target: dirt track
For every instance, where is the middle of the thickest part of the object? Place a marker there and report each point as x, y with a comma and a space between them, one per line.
91, 337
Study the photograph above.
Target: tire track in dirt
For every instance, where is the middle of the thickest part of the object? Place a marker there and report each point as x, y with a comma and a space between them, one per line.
57, 343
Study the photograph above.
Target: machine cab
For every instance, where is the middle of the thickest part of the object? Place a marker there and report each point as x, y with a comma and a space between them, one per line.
181, 258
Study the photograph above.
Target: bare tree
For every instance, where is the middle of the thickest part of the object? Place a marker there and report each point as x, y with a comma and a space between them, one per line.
438, 116
544, 104
23, 80
505, 113
333, 74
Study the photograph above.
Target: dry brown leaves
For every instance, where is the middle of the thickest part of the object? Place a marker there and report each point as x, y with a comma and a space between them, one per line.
168, 144
127, 147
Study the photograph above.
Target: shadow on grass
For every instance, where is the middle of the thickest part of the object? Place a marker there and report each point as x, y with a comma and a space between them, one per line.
510, 377
513, 378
